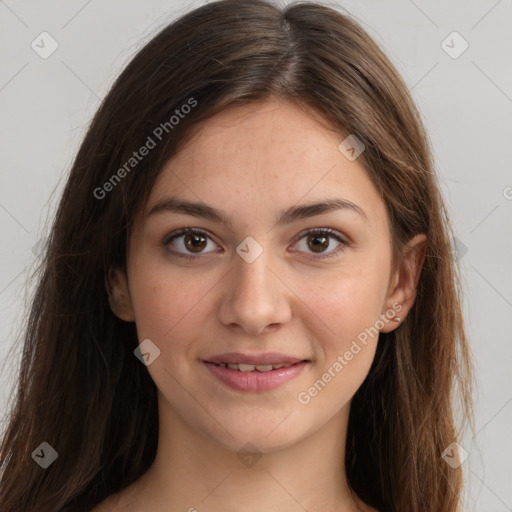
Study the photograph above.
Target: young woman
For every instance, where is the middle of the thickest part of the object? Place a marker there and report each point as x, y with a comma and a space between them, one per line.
248, 298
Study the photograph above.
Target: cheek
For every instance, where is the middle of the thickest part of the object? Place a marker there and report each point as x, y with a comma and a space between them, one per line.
345, 351
346, 310
346, 302
171, 307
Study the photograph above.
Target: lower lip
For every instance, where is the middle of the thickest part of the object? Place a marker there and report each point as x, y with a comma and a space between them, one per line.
255, 381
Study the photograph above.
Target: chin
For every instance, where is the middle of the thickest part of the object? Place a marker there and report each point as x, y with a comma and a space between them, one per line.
266, 435
257, 443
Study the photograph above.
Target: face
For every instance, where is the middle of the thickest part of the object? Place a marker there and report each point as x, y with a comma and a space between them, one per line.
314, 286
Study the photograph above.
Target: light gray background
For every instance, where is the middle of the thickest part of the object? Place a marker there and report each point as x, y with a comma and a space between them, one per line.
46, 105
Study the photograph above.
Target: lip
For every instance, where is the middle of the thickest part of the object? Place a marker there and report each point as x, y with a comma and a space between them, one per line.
241, 358
255, 381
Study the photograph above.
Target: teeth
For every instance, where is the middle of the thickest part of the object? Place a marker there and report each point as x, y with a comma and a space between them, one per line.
246, 367
252, 367
264, 367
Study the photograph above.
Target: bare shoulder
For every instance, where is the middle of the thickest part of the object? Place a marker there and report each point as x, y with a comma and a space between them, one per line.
113, 503
124, 500
106, 505
364, 507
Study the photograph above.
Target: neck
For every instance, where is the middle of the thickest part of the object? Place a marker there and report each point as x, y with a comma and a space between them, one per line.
192, 472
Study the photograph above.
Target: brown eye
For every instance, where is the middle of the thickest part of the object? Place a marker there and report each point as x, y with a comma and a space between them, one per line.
191, 243
188, 243
194, 243
318, 243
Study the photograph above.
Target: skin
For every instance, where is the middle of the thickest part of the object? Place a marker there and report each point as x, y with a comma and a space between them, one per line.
253, 162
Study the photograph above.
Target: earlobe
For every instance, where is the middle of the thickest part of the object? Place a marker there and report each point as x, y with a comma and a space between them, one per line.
119, 294
402, 293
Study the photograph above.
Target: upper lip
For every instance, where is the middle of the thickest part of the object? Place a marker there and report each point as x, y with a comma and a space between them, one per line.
240, 358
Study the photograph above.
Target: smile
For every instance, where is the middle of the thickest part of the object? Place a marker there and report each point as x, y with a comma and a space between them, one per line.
254, 367
255, 378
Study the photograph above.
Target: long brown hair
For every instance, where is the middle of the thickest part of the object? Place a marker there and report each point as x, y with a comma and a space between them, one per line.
80, 388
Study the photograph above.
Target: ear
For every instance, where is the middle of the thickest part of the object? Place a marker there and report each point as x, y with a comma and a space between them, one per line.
119, 294
402, 290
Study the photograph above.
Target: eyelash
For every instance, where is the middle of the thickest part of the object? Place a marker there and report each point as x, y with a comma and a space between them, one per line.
314, 231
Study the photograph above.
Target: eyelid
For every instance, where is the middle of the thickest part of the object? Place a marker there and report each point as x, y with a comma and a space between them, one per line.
186, 231
330, 232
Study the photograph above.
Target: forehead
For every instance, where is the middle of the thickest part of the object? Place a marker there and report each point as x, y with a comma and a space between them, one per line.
265, 157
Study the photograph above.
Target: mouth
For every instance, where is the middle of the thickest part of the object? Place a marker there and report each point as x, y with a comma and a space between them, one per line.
255, 373
241, 367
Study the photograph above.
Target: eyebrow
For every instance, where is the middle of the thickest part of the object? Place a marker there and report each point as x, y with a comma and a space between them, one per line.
292, 214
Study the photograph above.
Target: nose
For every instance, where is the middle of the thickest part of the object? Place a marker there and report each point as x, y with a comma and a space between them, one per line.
255, 297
